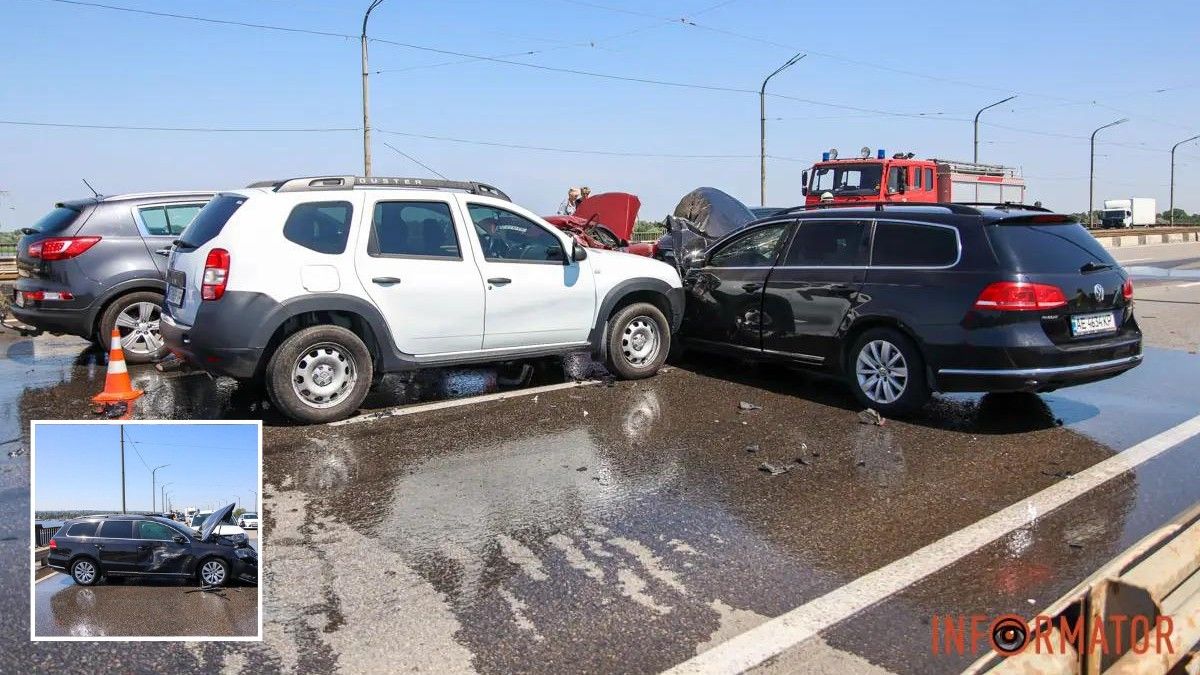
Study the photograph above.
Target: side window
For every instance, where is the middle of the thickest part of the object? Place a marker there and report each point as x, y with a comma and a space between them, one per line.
828, 243
155, 220
180, 216
117, 529
928, 180
894, 174
148, 529
423, 229
84, 529
507, 237
757, 248
320, 226
916, 182
914, 245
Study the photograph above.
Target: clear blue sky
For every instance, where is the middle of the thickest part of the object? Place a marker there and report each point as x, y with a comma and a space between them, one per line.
1074, 64
78, 466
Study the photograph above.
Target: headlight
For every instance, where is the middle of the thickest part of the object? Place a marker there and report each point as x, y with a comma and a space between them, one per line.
239, 537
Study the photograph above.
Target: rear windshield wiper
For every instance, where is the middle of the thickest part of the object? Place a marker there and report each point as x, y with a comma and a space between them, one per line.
1094, 267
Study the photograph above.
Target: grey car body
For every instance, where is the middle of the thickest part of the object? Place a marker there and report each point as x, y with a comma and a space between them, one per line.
118, 280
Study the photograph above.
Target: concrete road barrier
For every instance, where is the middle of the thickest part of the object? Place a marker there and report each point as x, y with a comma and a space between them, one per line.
1146, 239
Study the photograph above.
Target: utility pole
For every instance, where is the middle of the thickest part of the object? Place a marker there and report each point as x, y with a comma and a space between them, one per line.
163, 491
762, 128
1092, 170
122, 468
255, 505
1172, 211
154, 493
365, 98
990, 105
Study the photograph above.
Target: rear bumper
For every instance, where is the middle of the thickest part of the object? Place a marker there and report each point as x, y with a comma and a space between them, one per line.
58, 321
1032, 379
189, 344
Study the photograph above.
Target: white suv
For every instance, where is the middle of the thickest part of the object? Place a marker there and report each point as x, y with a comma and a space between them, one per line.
320, 285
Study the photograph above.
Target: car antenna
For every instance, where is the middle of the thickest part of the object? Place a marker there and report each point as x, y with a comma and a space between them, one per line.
89, 186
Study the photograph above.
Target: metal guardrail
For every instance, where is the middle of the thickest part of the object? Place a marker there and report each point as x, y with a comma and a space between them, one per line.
42, 535
642, 237
1153, 586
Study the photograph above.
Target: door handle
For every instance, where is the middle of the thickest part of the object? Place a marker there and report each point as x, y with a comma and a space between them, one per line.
499, 281
750, 288
143, 547
384, 281
164, 252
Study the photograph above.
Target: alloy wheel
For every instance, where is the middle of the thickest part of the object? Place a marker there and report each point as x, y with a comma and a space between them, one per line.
640, 341
323, 375
84, 571
138, 324
213, 573
881, 371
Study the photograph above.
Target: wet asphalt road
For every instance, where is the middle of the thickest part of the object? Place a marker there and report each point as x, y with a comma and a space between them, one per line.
627, 528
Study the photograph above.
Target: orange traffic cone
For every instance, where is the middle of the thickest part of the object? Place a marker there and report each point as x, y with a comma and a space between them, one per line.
116, 383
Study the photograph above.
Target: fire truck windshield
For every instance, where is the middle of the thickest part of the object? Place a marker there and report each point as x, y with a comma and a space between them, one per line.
847, 179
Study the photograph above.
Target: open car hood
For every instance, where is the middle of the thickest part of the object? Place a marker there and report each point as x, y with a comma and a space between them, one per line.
212, 522
713, 213
617, 211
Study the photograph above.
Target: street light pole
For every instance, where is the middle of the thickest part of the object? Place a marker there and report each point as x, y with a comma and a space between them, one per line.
162, 491
762, 128
153, 491
255, 500
1092, 169
990, 105
122, 468
1172, 211
365, 102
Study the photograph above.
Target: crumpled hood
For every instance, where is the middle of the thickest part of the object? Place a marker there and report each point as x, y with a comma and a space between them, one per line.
617, 211
213, 521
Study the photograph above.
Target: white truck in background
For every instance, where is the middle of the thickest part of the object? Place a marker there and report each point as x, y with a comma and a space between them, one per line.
1132, 212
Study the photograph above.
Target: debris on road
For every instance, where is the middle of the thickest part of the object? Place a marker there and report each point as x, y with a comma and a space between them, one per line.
871, 416
803, 462
746, 406
773, 469
170, 363
752, 447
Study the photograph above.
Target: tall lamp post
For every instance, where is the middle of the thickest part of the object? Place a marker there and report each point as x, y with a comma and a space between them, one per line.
990, 105
1092, 170
153, 490
366, 116
1172, 212
255, 504
762, 128
162, 493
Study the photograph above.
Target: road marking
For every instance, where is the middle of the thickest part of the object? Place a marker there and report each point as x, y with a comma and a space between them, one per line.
806, 621
1189, 284
48, 576
454, 403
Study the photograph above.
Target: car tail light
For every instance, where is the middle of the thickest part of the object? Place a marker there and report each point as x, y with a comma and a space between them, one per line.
1127, 290
1020, 296
53, 544
216, 274
61, 248
48, 295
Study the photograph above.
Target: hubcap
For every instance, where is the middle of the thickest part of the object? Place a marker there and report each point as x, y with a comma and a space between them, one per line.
639, 341
138, 324
882, 371
85, 572
213, 573
323, 375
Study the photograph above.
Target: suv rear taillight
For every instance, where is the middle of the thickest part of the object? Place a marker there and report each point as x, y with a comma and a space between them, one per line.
1127, 290
61, 248
1016, 296
41, 296
53, 544
216, 274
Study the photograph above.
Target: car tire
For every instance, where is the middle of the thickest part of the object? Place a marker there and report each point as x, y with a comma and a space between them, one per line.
639, 340
138, 312
319, 374
892, 378
86, 572
213, 572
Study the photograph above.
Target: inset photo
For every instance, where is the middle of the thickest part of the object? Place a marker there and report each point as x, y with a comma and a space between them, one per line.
146, 530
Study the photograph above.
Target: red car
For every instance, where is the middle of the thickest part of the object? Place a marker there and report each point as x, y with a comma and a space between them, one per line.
604, 221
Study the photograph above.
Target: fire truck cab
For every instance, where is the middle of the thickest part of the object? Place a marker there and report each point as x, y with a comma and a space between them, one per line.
901, 178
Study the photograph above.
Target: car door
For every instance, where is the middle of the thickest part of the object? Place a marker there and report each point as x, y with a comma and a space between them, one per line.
536, 295
815, 288
116, 547
413, 260
161, 224
724, 294
158, 552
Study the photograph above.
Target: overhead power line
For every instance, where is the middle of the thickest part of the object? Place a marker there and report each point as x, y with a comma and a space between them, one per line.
416, 161
573, 151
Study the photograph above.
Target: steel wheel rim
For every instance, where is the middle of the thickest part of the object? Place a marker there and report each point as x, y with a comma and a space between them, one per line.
138, 324
213, 573
85, 572
640, 342
324, 375
882, 371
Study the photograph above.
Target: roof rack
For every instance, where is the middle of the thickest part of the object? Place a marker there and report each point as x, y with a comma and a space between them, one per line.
960, 209
1010, 205
350, 182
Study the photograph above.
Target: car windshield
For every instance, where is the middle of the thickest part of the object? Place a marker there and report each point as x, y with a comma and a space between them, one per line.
848, 179
250, 515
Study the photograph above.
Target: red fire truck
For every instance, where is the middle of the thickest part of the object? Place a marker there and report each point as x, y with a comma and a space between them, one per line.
901, 178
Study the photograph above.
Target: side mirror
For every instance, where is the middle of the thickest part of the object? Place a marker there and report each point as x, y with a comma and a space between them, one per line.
179, 539
579, 252
804, 182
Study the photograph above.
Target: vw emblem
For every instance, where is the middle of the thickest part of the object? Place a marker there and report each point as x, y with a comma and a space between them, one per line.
1098, 292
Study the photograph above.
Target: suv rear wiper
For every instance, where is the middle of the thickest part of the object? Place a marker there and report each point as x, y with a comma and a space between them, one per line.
1094, 267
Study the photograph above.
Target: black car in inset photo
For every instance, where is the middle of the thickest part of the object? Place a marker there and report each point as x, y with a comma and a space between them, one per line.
905, 300
128, 545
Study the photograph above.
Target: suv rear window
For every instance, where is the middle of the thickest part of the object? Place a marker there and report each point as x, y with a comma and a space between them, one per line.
913, 245
1046, 247
320, 226
84, 529
56, 221
211, 220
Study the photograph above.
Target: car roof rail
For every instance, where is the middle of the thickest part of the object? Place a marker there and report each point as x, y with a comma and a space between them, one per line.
957, 208
350, 182
1011, 205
